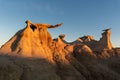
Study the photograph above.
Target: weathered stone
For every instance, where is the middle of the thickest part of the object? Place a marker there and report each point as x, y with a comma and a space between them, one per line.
32, 41
31, 54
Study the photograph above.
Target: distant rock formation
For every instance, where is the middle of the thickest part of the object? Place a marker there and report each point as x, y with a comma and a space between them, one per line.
105, 42
87, 38
62, 36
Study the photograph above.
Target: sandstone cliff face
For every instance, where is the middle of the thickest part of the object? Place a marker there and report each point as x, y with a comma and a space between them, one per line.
31, 54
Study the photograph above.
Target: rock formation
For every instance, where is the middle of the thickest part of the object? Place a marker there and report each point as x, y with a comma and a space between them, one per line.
62, 36
32, 54
87, 38
44, 35
33, 40
105, 42
98, 46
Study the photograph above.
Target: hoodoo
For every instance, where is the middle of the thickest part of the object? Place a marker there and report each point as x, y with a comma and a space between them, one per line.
32, 41
104, 42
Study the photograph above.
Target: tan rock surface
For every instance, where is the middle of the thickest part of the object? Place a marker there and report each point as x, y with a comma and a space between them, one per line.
105, 42
32, 41
87, 38
31, 54
102, 46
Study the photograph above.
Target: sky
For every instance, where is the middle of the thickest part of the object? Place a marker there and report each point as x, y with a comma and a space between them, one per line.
79, 17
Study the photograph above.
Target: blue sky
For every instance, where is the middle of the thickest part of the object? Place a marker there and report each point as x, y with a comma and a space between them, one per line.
80, 17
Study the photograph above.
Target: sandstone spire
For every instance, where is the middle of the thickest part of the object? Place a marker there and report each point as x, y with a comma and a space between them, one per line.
105, 40
104, 43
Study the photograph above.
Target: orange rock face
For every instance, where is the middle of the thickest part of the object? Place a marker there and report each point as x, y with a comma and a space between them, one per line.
32, 41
